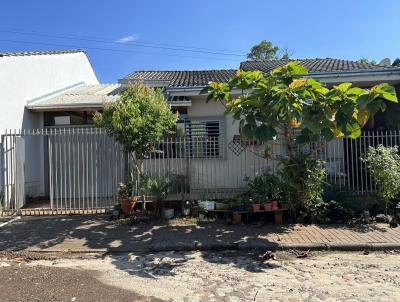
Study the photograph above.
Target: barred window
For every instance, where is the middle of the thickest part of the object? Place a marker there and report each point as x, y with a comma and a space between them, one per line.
197, 139
204, 138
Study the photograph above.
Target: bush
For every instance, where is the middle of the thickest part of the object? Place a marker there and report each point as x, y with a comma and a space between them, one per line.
2, 200
303, 177
264, 187
384, 165
334, 206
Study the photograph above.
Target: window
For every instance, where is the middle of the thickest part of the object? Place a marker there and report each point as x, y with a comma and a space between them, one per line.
68, 118
195, 139
204, 138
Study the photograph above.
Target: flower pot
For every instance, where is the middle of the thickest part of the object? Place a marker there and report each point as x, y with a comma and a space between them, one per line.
127, 205
267, 206
221, 206
237, 218
278, 218
168, 213
207, 205
186, 211
256, 207
274, 205
195, 212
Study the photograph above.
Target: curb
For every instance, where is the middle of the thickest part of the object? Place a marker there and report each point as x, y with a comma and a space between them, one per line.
10, 221
245, 247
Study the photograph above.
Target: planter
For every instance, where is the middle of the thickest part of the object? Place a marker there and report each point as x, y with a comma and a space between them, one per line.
206, 205
278, 218
237, 218
221, 206
256, 207
267, 206
195, 212
168, 213
186, 211
128, 204
274, 205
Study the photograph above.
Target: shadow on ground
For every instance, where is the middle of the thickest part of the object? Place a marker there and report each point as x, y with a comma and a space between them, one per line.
145, 241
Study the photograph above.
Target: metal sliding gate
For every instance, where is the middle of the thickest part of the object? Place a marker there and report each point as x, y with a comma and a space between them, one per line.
60, 169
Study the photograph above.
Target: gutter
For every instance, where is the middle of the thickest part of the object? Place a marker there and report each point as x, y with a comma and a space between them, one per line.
64, 106
349, 74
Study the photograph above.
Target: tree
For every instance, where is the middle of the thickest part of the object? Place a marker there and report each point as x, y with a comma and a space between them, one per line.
300, 110
366, 61
137, 119
396, 62
265, 50
285, 53
384, 166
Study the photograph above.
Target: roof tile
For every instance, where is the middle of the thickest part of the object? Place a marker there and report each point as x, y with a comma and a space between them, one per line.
43, 52
317, 65
183, 78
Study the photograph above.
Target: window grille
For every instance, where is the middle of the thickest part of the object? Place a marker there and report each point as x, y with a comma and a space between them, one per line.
204, 138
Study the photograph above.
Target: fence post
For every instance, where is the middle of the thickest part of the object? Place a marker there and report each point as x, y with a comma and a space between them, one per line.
2, 171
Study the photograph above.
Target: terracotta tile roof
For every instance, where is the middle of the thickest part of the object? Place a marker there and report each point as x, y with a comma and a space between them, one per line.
317, 65
182, 78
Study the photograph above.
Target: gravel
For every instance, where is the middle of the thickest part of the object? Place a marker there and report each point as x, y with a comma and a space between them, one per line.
209, 276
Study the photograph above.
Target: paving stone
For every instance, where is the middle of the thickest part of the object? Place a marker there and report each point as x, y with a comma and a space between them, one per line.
95, 233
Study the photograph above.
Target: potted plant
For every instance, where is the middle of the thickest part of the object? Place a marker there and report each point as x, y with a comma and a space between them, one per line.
264, 188
256, 205
125, 197
160, 187
237, 217
267, 206
138, 118
275, 197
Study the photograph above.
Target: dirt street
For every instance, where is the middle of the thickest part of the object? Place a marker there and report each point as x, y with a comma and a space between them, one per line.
204, 276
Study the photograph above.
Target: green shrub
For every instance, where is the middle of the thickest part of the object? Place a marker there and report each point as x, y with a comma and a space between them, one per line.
335, 205
2, 196
264, 187
303, 177
384, 165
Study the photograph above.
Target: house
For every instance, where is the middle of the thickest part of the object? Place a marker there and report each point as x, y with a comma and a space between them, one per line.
208, 152
26, 77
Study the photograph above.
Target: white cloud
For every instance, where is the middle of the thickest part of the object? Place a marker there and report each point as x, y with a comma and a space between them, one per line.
127, 39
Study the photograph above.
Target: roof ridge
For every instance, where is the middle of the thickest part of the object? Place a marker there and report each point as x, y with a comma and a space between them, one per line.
183, 70
40, 52
297, 59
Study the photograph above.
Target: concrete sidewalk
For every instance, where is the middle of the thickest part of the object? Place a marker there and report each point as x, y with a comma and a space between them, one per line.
97, 234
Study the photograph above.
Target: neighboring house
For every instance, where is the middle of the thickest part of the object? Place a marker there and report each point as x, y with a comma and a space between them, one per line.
26, 77
183, 87
213, 159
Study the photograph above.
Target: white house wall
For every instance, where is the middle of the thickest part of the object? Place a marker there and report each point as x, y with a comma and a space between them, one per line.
229, 172
25, 78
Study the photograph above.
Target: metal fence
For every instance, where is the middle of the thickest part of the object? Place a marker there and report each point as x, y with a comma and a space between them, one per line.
69, 168
80, 168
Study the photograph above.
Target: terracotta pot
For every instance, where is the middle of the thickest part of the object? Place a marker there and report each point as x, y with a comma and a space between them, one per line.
237, 218
256, 207
128, 204
195, 212
278, 218
274, 205
267, 206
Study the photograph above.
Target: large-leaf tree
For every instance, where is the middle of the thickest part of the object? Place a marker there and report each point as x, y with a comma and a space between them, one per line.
299, 108
137, 119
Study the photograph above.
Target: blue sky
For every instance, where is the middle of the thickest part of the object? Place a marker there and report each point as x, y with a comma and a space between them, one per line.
122, 36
